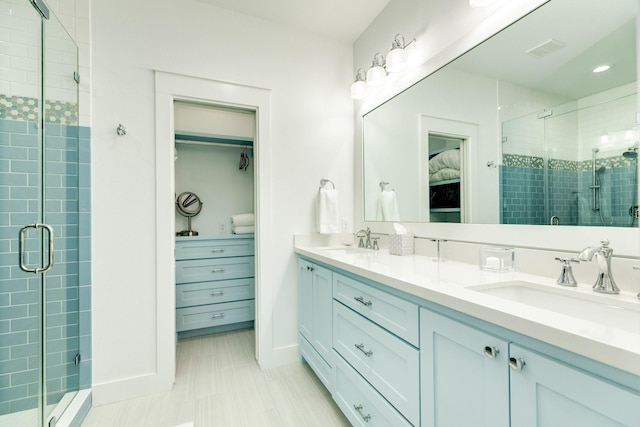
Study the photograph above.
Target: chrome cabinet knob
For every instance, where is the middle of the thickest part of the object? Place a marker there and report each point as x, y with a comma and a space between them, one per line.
491, 352
516, 364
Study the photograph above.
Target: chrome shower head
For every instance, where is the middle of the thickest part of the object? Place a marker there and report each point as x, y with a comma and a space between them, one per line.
630, 154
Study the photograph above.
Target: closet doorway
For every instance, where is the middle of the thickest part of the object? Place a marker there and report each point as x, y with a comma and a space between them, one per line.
214, 218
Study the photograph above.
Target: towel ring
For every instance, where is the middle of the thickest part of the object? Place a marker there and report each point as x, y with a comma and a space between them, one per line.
324, 181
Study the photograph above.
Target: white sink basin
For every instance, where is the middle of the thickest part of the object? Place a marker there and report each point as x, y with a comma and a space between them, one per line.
347, 250
607, 311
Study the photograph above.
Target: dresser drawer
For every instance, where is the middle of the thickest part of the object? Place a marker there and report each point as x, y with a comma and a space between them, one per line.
213, 248
317, 363
205, 270
385, 361
362, 405
205, 316
190, 294
390, 312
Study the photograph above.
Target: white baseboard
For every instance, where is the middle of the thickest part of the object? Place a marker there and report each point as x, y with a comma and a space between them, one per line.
129, 388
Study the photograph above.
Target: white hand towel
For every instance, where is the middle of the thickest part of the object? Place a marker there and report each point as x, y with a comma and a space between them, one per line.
244, 229
327, 211
387, 206
243, 219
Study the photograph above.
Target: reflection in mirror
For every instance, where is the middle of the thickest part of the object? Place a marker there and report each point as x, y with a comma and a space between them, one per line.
519, 130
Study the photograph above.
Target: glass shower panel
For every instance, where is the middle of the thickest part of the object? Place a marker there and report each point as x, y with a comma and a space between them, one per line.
60, 195
20, 204
39, 243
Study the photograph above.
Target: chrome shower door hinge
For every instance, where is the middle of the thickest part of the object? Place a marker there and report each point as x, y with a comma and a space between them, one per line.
76, 77
77, 359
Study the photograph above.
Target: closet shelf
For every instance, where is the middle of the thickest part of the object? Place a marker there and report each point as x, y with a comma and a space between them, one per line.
445, 182
185, 137
444, 210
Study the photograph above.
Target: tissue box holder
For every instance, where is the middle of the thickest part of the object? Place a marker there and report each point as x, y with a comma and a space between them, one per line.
499, 259
401, 244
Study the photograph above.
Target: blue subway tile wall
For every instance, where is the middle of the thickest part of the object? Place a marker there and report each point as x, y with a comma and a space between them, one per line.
68, 285
523, 198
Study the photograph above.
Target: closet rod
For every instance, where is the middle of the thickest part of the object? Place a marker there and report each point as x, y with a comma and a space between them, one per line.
214, 144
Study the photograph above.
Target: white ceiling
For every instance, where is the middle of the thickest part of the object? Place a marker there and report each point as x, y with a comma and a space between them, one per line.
342, 20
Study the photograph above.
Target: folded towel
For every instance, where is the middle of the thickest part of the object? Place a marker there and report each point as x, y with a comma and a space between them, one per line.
327, 211
243, 219
387, 207
244, 229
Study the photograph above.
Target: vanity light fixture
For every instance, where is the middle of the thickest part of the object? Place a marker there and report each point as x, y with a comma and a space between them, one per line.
397, 59
377, 75
359, 87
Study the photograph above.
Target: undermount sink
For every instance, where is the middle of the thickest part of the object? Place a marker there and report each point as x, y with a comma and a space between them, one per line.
597, 308
346, 250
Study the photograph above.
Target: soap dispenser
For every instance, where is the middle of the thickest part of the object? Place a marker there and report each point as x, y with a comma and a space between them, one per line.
566, 277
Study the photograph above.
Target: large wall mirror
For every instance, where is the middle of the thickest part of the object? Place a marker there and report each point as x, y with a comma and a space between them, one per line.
519, 130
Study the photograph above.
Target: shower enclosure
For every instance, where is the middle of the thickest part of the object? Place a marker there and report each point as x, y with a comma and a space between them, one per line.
572, 164
39, 216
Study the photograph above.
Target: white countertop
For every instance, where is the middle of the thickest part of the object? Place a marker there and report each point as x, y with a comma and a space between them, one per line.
445, 283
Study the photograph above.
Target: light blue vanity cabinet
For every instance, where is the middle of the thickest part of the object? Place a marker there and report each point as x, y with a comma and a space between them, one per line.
547, 392
505, 384
464, 375
215, 284
314, 319
374, 331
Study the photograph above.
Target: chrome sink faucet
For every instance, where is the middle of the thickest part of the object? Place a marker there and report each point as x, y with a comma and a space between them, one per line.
604, 283
367, 235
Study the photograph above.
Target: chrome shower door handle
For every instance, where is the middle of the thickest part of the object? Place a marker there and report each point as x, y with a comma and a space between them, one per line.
49, 265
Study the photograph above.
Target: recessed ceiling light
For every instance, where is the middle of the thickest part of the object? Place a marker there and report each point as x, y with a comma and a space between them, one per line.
601, 68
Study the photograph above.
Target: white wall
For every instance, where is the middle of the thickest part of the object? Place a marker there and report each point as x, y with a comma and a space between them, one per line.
311, 138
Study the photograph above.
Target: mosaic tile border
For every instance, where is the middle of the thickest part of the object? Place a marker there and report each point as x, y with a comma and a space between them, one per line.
535, 162
24, 108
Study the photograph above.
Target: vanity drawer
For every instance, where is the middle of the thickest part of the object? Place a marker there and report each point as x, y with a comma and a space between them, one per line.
213, 248
390, 312
205, 270
205, 316
317, 363
361, 404
202, 293
385, 361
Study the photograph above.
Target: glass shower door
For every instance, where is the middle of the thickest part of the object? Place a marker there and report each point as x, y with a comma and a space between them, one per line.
38, 216
60, 211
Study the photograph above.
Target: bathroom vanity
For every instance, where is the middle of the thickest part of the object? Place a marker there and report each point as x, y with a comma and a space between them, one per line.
405, 340
215, 284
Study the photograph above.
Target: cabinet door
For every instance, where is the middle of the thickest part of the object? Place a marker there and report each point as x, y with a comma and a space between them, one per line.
464, 374
322, 312
548, 393
315, 307
305, 299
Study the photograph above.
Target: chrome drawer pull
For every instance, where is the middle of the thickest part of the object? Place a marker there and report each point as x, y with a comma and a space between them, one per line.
516, 364
360, 347
215, 293
214, 250
366, 418
362, 301
491, 352
217, 315
217, 270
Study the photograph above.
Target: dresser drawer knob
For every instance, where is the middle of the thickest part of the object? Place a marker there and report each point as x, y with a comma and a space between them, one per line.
217, 315
216, 293
217, 270
217, 250
362, 301
360, 347
366, 417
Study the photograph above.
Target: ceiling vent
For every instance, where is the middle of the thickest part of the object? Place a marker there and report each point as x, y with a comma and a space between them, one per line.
544, 49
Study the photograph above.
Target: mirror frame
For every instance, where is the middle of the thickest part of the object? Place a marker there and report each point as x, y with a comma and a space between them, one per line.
624, 241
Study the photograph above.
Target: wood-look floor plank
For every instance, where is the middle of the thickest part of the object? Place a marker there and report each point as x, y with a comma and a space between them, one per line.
219, 383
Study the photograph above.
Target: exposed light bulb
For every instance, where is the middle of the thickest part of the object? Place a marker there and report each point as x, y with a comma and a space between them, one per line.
601, 68
397, 59
377, 75
359, 87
